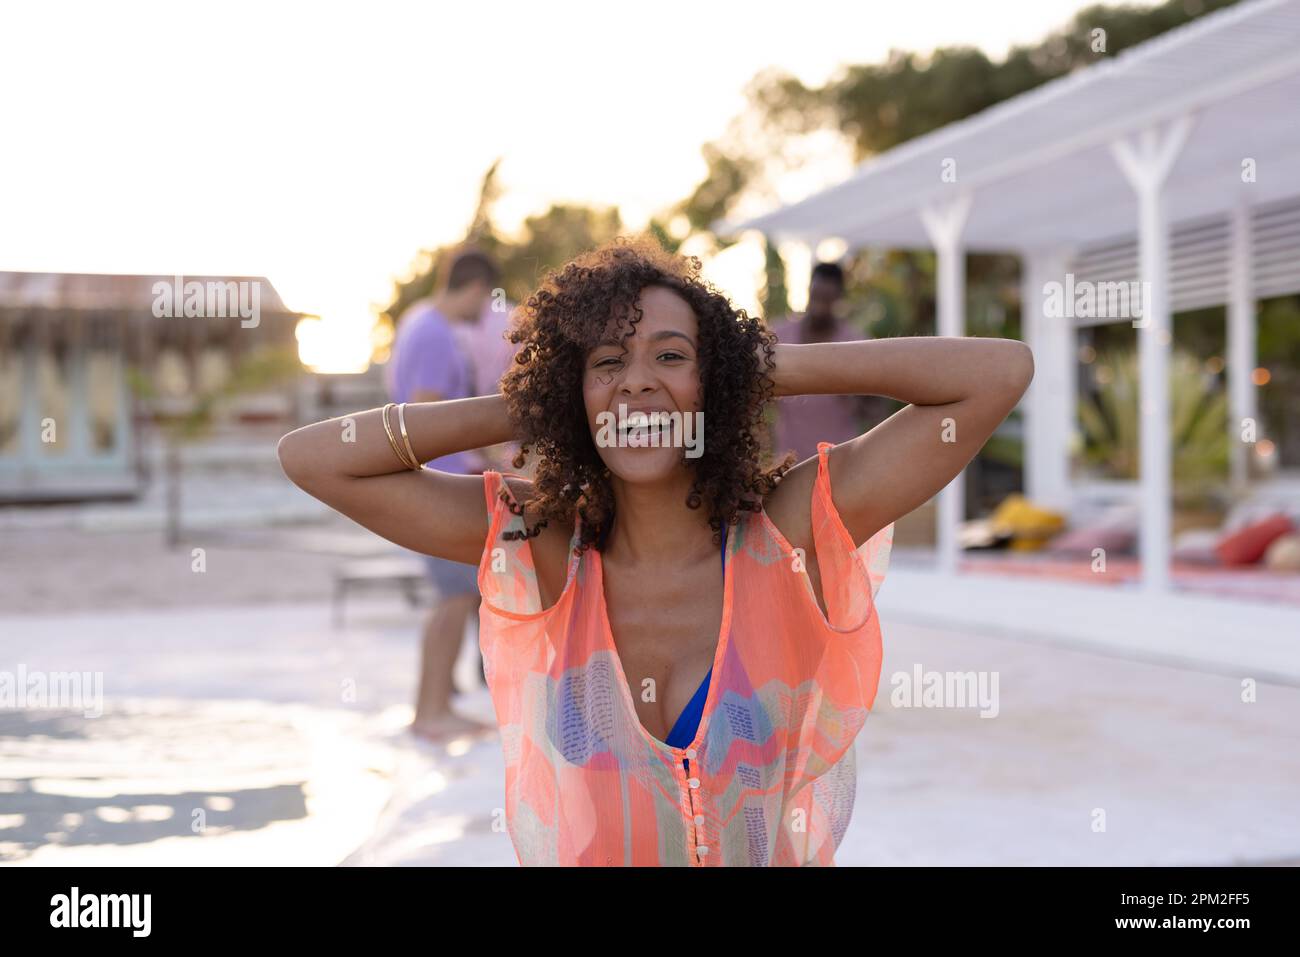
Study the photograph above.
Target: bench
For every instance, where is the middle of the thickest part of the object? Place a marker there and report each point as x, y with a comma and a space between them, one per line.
406, 573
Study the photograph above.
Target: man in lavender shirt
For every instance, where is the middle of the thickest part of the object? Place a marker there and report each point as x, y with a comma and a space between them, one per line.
491, 353
803, 421
429, 364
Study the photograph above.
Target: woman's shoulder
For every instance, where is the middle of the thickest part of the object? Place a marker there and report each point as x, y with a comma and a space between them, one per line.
788, 507
550, 541
528, 560
514, 492
517, 488
802, 508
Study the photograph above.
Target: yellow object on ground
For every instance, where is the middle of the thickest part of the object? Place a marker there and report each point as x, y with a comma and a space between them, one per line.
1031, 526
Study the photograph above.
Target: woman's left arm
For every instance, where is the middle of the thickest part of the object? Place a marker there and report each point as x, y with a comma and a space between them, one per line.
959, 390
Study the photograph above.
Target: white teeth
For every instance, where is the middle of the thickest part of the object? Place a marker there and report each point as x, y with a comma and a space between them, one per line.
646, 434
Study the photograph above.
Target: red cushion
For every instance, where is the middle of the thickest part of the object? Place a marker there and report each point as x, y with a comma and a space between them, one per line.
1247, 545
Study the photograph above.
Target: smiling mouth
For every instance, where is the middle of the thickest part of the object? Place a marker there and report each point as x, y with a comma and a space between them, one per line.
646, 431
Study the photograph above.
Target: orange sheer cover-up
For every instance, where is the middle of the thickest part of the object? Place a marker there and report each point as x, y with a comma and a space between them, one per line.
772, 770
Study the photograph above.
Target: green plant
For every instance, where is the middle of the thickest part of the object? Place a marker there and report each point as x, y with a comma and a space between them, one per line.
1198, 424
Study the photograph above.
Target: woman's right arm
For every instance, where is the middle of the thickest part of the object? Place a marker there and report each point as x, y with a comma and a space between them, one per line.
349, 464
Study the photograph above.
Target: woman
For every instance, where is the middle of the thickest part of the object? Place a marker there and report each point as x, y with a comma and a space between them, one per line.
680, 641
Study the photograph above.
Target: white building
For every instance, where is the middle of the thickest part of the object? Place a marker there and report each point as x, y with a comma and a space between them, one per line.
70, 346
1176, 165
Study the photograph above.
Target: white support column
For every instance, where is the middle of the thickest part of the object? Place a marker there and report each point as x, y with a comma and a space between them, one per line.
1242, 350
1146, 164
797, 254
944, 224
1049, 404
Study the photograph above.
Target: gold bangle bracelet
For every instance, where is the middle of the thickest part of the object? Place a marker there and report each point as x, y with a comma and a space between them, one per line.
392, 440
406, 439
408, 461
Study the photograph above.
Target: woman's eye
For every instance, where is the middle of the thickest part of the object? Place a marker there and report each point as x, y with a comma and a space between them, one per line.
606, 361
672, 355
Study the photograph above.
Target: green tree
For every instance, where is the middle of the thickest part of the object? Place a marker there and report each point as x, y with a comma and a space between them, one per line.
1198, 424
547, 240
878, 106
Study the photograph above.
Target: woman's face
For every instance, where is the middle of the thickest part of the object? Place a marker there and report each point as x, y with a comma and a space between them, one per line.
656, 369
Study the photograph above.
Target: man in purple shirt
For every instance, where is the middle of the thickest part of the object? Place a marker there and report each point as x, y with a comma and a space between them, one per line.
803, 421
491, 354
430, 363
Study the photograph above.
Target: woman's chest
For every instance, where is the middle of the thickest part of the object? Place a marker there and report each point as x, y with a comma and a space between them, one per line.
666, 628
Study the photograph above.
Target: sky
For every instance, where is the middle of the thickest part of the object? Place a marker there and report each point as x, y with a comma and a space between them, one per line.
323, 145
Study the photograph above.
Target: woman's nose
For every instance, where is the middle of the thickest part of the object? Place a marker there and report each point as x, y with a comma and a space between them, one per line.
639, 377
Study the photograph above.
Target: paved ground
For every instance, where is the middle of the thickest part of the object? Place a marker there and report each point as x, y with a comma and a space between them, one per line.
58, 570
282, 739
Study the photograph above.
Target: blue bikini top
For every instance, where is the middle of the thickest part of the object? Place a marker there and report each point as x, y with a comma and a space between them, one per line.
688, 722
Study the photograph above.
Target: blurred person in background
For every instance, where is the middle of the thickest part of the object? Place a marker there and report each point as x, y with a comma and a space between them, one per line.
490, 355
803, 421
433, 361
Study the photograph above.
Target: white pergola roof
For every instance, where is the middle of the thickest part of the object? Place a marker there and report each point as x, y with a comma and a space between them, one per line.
1039, 166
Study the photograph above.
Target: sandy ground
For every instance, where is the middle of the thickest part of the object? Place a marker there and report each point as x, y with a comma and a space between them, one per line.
210, 726
286, 735
62, 570
220, 735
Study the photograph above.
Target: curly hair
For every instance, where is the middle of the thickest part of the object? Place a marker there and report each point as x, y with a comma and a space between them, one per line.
558, 325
